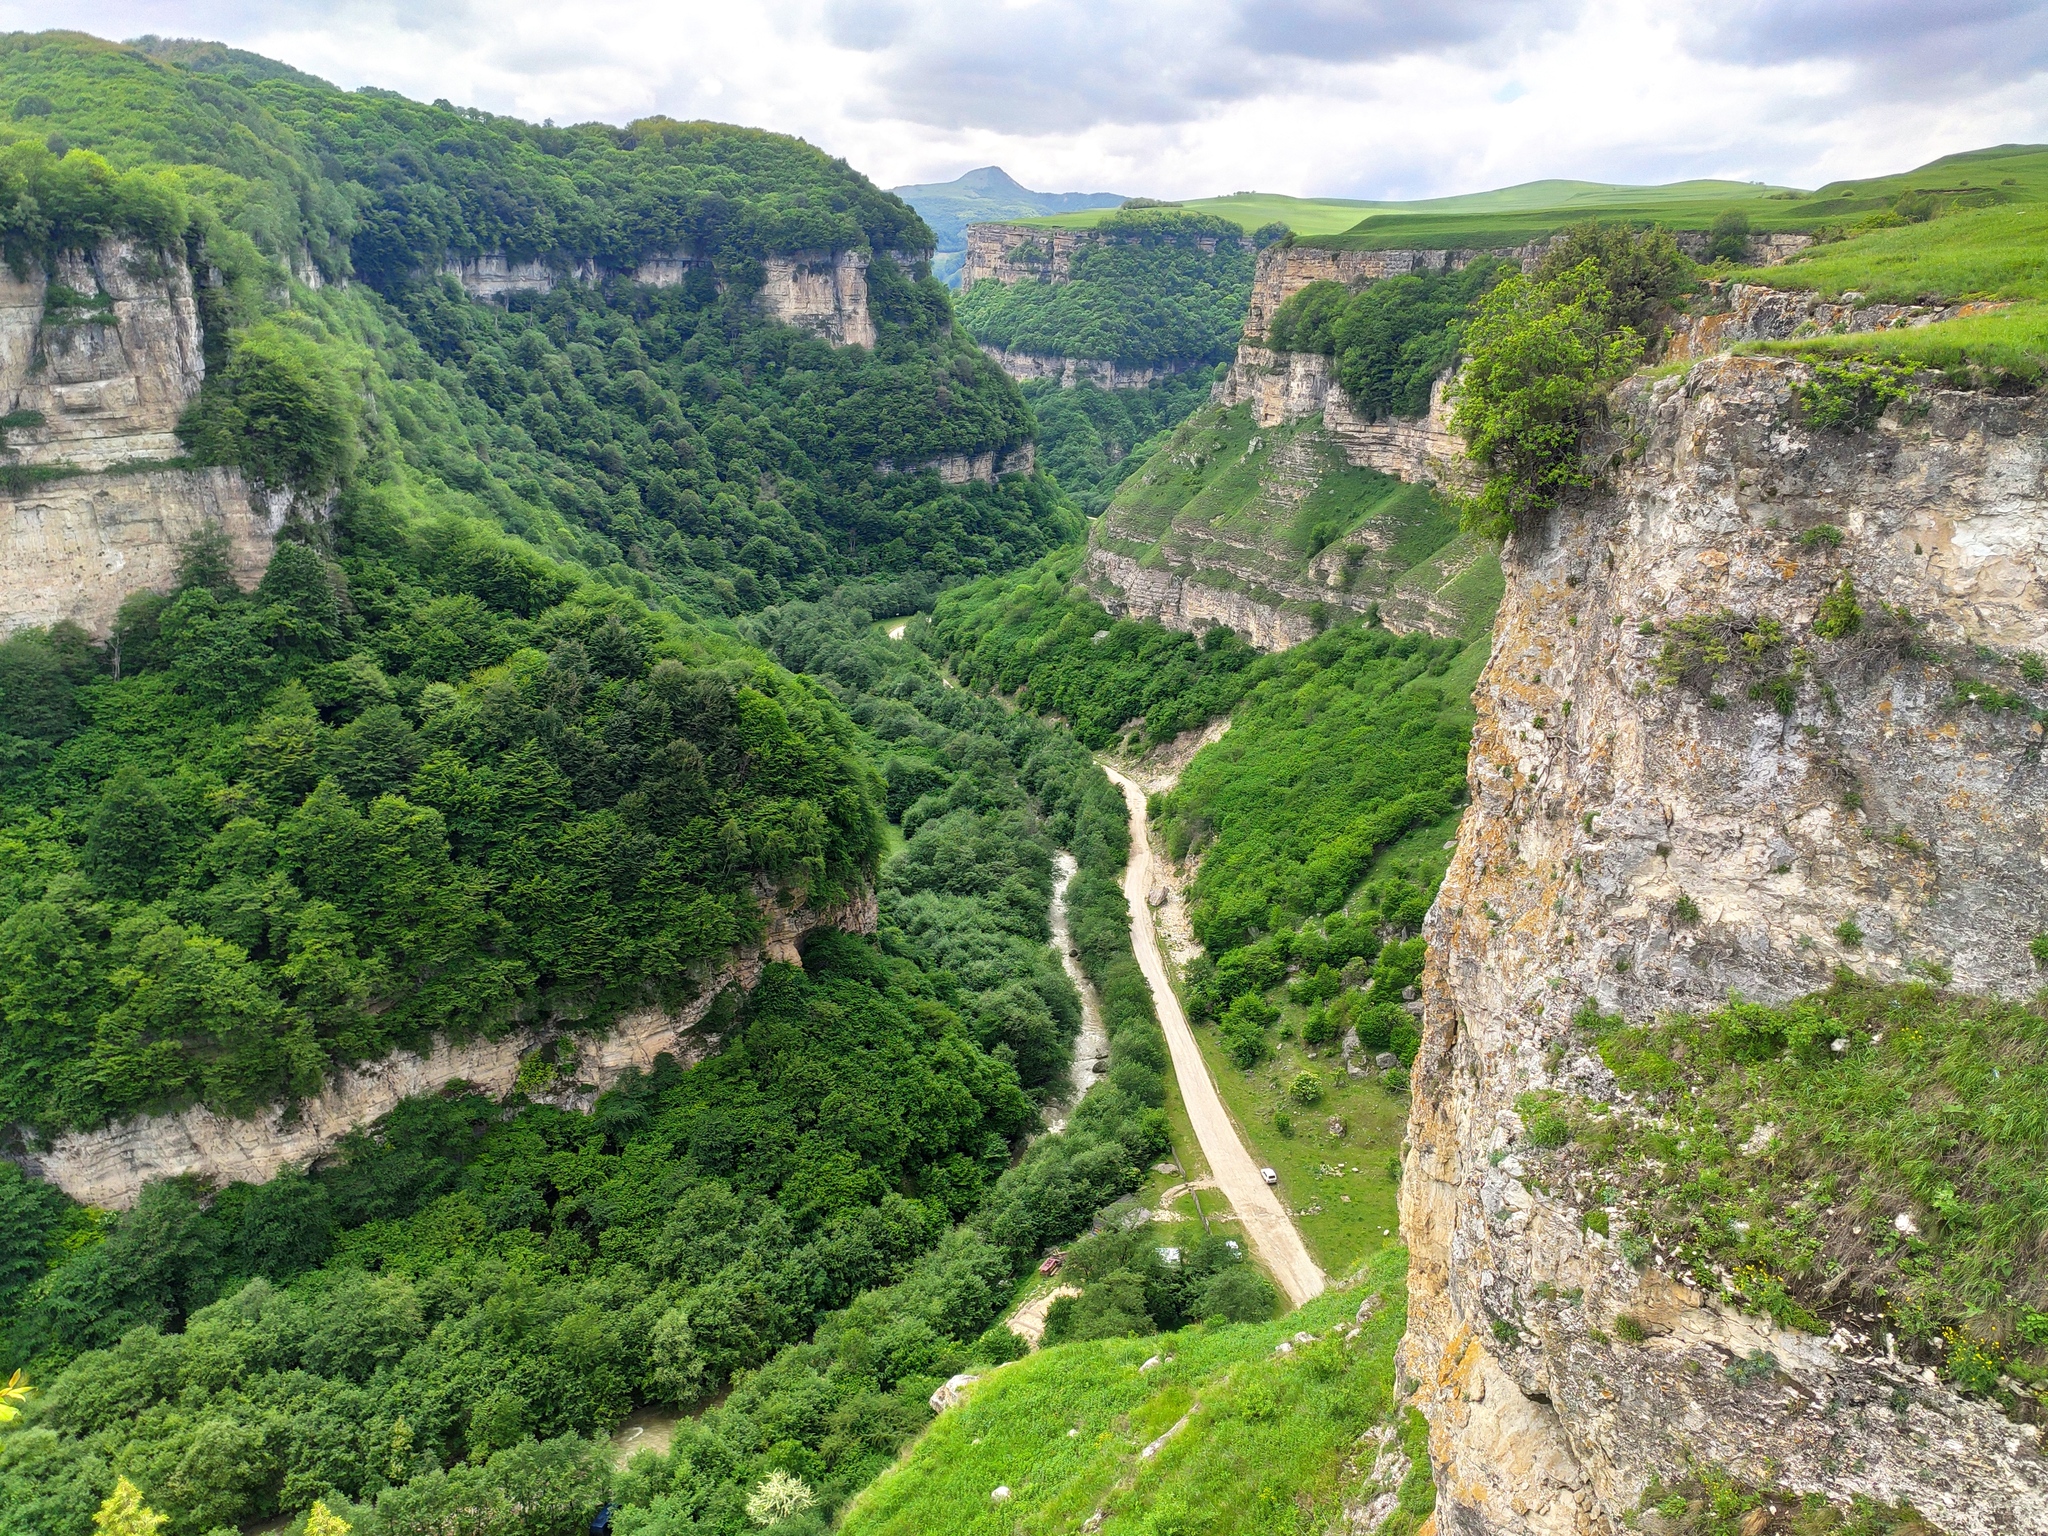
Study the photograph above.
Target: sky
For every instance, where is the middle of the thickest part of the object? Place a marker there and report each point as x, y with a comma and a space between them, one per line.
1182, 98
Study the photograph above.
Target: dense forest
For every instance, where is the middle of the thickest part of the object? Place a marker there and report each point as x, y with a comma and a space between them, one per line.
1034, 637
1320, 819
445, 1322
1091, 440
1158, 285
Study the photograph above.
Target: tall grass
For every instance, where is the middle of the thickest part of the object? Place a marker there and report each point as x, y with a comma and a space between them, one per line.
1263, 1447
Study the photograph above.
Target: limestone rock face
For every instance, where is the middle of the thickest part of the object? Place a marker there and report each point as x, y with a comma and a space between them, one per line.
1290, 386
108, 1167
74, 549
824, 292
1075, 371
108, 353
110, 370
1738, 312
1599, 795
984, 468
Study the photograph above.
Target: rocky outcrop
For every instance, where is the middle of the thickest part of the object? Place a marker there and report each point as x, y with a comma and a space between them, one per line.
982, 468
1599, 795
1284, 270
77, 548
110, 366
1179, 598
107, 1168
823, 292
1291, 386
98, 360
1731, 313
1074, 371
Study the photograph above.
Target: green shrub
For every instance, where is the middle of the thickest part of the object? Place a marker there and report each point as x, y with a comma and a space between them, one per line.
1629, 1329
1306, 1088
1728, 240
1685, 912
1543, 1118
1850, 396
1821, 534
1849, 934
2038, 948
1840, 616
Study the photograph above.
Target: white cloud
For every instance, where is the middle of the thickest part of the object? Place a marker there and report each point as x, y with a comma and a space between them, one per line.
1364, 98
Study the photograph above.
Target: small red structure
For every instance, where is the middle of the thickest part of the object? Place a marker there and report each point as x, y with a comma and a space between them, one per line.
1052, 1263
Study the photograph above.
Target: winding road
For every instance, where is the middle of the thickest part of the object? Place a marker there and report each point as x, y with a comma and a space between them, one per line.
1272, 1235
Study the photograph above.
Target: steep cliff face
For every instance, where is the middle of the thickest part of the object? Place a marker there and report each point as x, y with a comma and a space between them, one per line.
1072, 372
108, 1167
106, 351
1599, 795
823, 292
1284, 387
1020, 253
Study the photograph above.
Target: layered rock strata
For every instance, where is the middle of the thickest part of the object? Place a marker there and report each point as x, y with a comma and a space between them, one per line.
98, 360
983, 468
1599, 796
108, 1167
1732, 313
1075, 371
1283, 387
823, 292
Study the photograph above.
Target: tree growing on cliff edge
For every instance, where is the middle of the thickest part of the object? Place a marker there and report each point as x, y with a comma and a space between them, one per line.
1542, 356
1544, 350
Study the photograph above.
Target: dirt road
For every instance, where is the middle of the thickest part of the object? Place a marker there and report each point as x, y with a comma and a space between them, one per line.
1273, 1237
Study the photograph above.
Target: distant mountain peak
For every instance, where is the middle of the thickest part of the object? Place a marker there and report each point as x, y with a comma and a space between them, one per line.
991, 178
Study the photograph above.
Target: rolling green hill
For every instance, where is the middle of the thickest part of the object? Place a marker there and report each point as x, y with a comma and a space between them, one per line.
1517, 215
1509, 216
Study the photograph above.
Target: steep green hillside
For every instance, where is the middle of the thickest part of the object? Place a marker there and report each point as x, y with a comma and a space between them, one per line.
1148, 292
1209, 1430
1274, 513
439, 1329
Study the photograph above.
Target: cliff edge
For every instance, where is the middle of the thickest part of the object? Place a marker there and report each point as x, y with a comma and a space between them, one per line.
1854, 805
108, 1167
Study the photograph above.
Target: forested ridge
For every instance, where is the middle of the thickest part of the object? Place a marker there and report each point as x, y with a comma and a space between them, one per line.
673, 437
1155, 285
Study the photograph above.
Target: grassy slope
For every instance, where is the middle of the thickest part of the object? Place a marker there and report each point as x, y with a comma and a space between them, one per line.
1696, 204
1995, 254
1266, 1449
1220, 478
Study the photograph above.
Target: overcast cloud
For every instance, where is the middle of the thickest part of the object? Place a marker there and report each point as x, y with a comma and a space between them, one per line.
1358, 98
